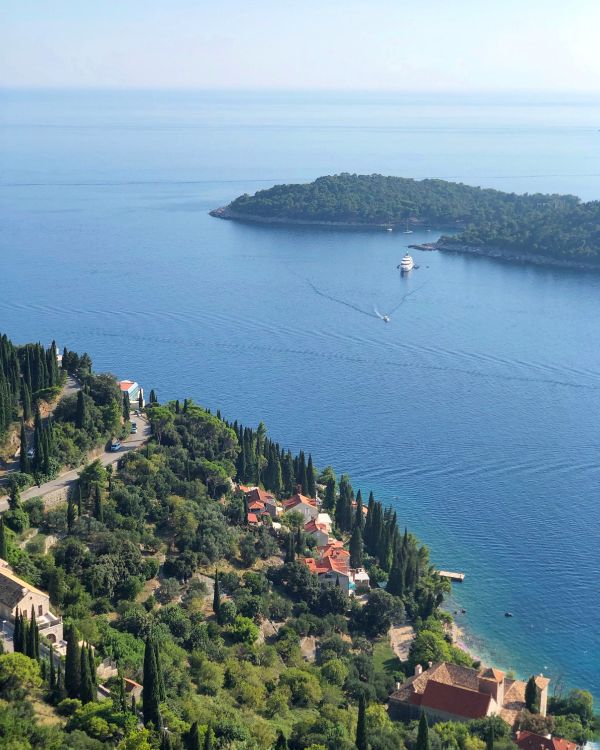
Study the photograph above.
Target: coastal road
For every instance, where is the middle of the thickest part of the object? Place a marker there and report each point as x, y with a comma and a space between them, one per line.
130, 443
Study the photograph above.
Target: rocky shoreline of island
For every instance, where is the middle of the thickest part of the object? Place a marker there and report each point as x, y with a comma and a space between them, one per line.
494, 252
503, 254
225, 212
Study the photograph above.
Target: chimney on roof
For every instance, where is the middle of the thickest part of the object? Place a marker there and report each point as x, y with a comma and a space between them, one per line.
429, 664
398, 685
418, 670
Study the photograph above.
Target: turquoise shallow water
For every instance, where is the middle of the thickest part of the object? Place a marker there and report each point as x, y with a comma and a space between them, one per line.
475, 411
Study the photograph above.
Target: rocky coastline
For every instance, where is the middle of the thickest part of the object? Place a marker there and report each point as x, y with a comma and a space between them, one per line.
509, 256
225, 212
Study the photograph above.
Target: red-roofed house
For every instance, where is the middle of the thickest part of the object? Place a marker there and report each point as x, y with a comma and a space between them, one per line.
299, 503
253, 519
530, 741
331, 572
446, 702
259, 499
318, 531
452, 692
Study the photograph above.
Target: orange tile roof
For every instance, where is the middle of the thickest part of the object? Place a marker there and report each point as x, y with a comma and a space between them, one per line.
125, 385
454, 700
252, 518
297, 499
258, 495
530, 741
256, 505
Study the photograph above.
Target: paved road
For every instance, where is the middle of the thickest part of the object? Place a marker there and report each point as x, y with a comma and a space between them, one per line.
132, 442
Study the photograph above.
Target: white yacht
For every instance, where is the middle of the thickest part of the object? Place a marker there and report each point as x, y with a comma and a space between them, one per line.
407, 264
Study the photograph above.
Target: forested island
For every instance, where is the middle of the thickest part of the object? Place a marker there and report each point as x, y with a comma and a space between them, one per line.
543, 228
197, 604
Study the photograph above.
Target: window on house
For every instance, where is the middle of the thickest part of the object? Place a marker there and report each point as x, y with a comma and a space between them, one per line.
40, 610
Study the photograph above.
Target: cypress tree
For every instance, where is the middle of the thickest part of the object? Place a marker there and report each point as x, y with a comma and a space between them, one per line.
93, 668
153, 399
16, 630
86, 690
532, 696
126, 407
359, 516
162, 694
98, 506
3, 542
329, 499
302, 476
216, 596
151, 691
14, 496
178, 408
287, 474
52, 670
395, 584
71, 514
73, 664
299, 541
209, 738
489, 740
423, 734
281, 742
290, 554
361, 725
81, 412
311, 486
26, 399
23, 634
30, 645
23, 457
356, 548
121, 696
60, 691
194, 741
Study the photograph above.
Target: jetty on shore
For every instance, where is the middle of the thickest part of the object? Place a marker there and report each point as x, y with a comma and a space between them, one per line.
456, 577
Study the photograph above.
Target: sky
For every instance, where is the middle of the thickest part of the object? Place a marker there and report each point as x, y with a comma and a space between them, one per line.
373, 45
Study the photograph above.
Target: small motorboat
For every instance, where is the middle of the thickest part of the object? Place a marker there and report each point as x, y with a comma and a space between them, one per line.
389, 229
385, 318
508, 614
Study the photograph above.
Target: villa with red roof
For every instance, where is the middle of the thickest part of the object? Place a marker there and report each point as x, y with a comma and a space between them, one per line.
449, 692
298, 503
260, 502
333, 567
530, 741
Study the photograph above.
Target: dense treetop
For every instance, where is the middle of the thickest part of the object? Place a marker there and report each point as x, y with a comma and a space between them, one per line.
556, 226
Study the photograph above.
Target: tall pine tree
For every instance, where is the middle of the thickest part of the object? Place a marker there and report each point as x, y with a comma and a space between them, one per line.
361, 725
151, 688
73, 664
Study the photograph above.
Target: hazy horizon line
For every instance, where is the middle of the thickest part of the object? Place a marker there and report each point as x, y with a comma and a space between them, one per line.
305, 90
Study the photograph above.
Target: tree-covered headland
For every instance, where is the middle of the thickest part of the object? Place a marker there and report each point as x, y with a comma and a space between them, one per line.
158, 570
560, 227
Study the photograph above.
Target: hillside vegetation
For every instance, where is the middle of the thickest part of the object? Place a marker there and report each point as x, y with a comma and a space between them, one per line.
556, 226
159, 568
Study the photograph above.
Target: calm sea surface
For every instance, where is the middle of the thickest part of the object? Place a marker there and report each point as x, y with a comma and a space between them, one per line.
475, 411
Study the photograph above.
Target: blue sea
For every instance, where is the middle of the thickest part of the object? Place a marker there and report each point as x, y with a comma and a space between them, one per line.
475, 411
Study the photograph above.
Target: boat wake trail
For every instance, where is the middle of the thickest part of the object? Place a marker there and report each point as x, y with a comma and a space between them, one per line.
316, 290
404, 298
